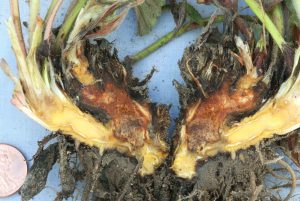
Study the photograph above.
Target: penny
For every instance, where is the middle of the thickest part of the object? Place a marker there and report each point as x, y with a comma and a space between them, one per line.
13, 170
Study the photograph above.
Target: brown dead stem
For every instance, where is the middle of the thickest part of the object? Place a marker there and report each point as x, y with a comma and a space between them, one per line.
15, 13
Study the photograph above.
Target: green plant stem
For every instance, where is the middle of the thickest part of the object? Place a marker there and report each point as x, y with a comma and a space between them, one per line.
68, 23
277, 17
296, 4
34, 6
167, 38
267, 22
159, 43
50, 10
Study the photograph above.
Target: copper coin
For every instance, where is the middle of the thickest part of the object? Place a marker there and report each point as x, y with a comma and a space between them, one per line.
13, 170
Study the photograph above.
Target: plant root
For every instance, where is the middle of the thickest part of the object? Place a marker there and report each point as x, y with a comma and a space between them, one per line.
293, 178
255, 189
92, 178
43, 142
128, 183
113, 176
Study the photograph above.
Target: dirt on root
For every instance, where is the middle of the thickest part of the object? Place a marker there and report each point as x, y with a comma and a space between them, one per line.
112, 176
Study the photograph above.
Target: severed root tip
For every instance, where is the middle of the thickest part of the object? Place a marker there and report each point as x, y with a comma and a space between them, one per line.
206, 129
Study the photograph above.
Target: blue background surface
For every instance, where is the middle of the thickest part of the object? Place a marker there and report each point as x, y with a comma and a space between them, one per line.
20, 131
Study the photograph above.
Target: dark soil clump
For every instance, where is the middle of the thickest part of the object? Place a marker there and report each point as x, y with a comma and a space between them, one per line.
113, 176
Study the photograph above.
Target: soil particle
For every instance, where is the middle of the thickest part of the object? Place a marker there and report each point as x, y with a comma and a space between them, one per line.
230, 177
117, 170
37, 177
